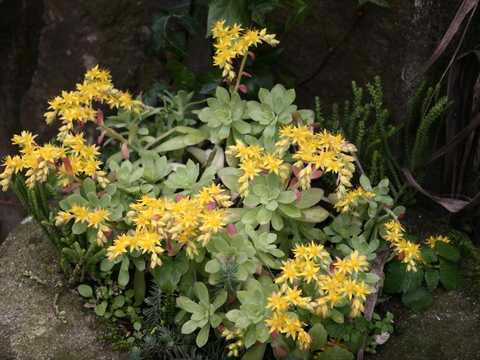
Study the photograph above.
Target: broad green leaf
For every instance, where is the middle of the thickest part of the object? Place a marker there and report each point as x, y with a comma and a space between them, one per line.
335, 353
319, 335
300, 9
100, 309
123, 274
250, 216
182, 141
105, 201
450, 277
316, 214
290, 210
394, 277
189, 327
428, 254
202, 292
287, 197
264, 215
432, 277
417, 299
447, 251
255, 352
169, 273
220, 299
260, 7
413, 280
202, 336
85, 290
182, 75
232, 11
309, 198
186, 304
250, 337
106, 265
337, 316
89, 186
79, 228
165, 37
384, 3
76, 199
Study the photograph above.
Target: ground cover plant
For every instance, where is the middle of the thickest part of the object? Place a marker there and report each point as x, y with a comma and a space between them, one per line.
207, 226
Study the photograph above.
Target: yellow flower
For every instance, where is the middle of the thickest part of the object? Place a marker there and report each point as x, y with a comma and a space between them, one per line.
117, 249
277, 302
357, 262
433, 239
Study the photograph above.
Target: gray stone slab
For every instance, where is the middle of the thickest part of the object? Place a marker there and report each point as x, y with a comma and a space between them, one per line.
29, 327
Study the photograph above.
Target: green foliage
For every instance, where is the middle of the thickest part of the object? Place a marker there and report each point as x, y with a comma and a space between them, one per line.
366, 125
416, 286
165, 36
113, 301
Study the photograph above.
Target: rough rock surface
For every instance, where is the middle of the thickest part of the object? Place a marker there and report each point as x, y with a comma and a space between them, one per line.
447, 330
29, 328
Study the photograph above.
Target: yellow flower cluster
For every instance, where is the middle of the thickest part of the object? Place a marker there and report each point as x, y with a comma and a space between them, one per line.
70, 160
333, 281
74, 156
319, 151
78, 105
233, 41
94, 218
349, 199
408, 252
237, 335
253, 161
433, 239
173, 224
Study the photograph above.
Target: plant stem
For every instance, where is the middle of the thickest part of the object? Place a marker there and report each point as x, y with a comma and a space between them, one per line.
240, 73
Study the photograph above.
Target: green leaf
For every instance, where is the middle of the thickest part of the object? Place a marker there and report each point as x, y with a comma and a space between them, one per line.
300, 9
413, 280
106, 265
394, 277
428, 254
377, 2
432, 276
182, 75
260, 7
232, 11
76, 199
309, 198
447, 251
290, 210
316, 214
319, 335
335, 353
100, 309
450, 277
337, 316
417, 299
264, 215
189, 327
220, 299
79, 228
202, 292
89, 186
85, 290
186, 304
202, 336
169, 273
123, 275
255, 352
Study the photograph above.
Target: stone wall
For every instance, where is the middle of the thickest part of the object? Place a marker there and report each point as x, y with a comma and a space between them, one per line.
46, 46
